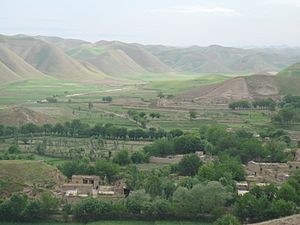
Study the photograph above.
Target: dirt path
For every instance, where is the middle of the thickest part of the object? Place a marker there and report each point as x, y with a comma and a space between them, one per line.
105, 91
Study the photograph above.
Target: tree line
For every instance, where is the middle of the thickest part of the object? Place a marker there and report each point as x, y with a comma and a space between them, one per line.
289, 112
266, 104
76, 128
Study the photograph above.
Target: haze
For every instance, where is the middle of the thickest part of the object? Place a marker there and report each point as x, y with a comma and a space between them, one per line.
168, 22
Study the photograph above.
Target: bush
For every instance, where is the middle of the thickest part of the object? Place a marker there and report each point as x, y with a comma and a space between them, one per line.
189, 165
14, 149
227, 220
122, 158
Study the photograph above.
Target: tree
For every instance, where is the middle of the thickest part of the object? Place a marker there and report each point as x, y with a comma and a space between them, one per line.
14, 149
33, 211
136, 200
11, 209
287, 193
240, 105
193, 114
138, 157
227, 220
161, 147
122, 158
189, 165
91, 208
49, 203
153, 186
107, 99
90, 105
188, 143
106, 169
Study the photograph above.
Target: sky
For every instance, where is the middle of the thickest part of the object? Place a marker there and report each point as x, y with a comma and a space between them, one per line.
168, 22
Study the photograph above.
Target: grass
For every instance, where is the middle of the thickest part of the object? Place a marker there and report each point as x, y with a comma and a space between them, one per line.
178, 86
17, 174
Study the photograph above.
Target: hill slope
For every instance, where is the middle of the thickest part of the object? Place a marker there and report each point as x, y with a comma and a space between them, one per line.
117, 58
14, 68
21, 175
245, 87
49, 59
293, 70
219, 59
18, 116
122, 63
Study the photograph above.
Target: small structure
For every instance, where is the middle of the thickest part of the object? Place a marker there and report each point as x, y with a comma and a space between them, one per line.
85, 186
270, 172
242, 187
80, 179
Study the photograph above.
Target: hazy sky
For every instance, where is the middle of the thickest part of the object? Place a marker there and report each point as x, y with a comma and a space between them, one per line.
170, 22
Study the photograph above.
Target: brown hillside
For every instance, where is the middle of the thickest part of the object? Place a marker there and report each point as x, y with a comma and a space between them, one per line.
14, 68
19, 115
49, 59
26, 176
248, 88
142, 57
122, 63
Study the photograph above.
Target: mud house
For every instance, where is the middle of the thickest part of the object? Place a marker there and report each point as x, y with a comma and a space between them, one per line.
93, 180
270, 172
82, 186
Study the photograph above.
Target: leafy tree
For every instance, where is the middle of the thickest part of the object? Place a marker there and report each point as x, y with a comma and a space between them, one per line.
189, 165
287, 192
14, 149
91, 208
240, 105
122, 158
136, 200
33, 211
193, 114
106, 169
188, 143
168, 187
138, 157
49, 203
161, 147
11, 209
153, 186
90, 105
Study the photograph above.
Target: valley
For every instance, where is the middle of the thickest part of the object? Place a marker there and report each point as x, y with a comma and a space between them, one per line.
163, 123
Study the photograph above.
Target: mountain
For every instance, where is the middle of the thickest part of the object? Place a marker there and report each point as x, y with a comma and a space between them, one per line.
122, 63
115, 58
64, 44
219, 59
292, 71
26, 57
14, 68
49, 59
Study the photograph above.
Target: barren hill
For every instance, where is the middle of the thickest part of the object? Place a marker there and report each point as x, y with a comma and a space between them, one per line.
122, 63
219, 59
49, 59
19, 115
117, 58
14, 68
21, 175
248, 88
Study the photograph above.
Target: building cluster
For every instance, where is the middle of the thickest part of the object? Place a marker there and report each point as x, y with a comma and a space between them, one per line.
261, 174
82, 186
